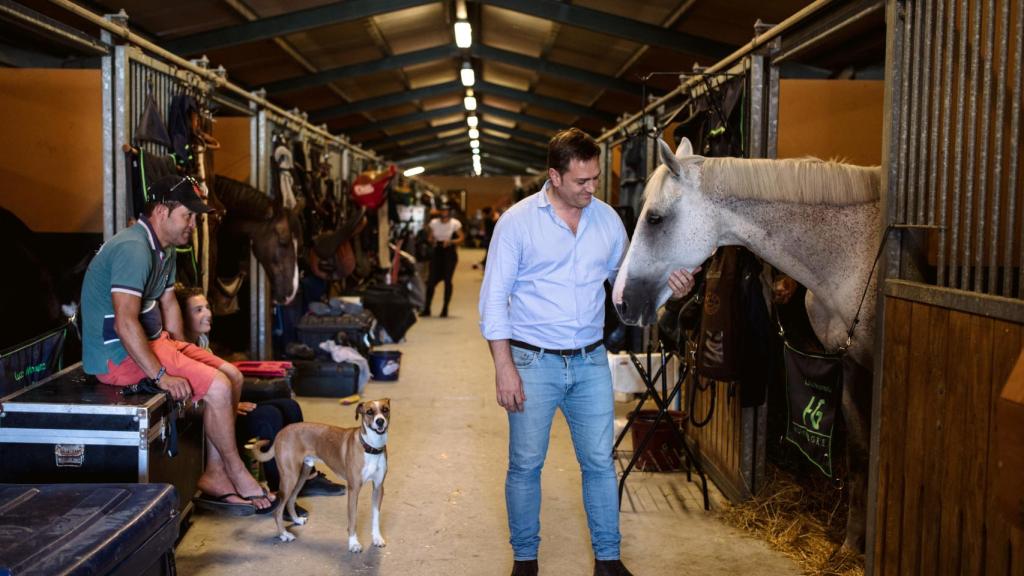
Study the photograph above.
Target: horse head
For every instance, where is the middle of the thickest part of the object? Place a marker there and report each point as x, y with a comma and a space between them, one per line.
276, 246
273, 230
677, 228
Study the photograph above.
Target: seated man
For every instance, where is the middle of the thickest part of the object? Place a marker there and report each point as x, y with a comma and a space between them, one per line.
130, 314
255, 420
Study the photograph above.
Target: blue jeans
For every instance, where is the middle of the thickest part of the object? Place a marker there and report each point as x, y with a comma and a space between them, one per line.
581, 387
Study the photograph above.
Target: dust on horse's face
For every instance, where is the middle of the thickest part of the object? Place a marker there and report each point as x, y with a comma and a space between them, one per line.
677, 228
276, 248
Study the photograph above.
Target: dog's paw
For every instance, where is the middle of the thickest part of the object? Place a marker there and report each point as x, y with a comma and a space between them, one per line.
299, 520
379, 541
286, 536
354, 545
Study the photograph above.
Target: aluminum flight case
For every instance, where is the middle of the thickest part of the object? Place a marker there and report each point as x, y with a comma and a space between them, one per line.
69, 428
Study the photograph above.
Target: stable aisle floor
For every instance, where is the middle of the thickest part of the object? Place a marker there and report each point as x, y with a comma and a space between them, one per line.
444, 507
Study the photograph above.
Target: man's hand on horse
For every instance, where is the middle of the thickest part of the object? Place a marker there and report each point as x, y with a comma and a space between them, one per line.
681, 282
176, 385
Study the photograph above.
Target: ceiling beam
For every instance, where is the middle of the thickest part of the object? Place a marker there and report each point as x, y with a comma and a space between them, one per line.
363, 69
535, 139
515, 146
506, 161
409, 119
539, 122
395, 139
287, 23
612, 25
432, 144
556, 104
385, 100
554, 69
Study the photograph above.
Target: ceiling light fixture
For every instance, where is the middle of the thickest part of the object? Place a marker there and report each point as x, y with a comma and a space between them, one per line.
473, 121
474, 133
474, 143
467, 74
478, 170
414, 171
469, 101
463, 34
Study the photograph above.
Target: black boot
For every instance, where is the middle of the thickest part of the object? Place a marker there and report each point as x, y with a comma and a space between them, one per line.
610, 568
524, 568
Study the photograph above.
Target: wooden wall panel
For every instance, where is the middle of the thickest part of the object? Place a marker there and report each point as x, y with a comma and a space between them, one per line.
935, 511
719, 443
234, 158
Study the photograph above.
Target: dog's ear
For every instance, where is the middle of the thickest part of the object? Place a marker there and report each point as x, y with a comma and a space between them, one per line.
360, 410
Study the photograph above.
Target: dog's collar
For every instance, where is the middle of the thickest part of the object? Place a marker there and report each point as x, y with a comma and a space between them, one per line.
370, 449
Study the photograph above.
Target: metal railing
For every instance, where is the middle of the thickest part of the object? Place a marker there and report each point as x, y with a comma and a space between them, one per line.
955, 154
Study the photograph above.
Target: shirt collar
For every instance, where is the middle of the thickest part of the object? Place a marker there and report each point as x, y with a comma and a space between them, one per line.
543, 202
154, 240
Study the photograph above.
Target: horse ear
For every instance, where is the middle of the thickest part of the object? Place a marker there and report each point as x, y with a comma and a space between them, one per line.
668, 159
685, 149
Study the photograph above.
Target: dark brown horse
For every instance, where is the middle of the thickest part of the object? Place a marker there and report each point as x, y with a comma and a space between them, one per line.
274, 232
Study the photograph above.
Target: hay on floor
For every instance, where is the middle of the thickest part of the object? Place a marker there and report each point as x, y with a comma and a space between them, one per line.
806, 522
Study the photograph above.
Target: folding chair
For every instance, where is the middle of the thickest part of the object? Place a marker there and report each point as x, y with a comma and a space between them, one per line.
662, 400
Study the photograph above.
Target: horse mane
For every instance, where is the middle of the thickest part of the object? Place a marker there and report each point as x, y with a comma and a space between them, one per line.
800, 180
241, 199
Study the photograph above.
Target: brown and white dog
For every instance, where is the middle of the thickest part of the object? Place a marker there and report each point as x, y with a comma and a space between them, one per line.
356, 454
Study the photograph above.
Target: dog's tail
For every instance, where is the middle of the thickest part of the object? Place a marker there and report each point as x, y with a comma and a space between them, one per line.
259, 454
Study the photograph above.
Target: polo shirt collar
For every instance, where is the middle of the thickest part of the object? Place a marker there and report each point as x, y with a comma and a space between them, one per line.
154, 240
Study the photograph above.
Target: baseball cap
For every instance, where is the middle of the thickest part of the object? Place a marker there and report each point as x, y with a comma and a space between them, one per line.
181, 189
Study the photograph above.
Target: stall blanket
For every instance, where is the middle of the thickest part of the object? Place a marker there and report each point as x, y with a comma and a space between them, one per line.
32, 361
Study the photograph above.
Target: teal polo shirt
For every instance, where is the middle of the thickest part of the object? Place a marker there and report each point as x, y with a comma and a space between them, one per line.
132, 262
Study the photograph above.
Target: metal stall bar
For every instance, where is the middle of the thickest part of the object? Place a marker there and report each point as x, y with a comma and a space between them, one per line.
914, 147
904, 114
995, 287
972, 130
1018, 53
982, 173
954, 244
942, 170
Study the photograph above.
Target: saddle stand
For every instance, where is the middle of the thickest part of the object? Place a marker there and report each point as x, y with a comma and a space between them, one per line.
662, 400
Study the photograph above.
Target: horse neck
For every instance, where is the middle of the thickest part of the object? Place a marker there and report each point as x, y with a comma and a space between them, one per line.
828, 249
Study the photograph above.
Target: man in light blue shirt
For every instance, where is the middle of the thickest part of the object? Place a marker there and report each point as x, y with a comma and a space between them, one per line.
542, 312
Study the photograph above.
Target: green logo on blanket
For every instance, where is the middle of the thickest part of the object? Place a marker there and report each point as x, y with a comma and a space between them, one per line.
813, 412
35, 369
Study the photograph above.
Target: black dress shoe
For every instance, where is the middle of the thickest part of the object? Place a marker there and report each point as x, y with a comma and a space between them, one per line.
610, 568
319, 485
524, 568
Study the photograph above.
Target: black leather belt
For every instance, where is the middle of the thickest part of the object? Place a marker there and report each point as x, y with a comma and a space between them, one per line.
568, 352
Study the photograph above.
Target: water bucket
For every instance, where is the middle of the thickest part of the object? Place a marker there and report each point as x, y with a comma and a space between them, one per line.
662, 452
384, 364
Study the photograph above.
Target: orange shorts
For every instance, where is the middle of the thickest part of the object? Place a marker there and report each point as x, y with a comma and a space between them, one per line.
188, 361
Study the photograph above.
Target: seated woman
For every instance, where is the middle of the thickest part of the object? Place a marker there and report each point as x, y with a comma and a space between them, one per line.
255, 420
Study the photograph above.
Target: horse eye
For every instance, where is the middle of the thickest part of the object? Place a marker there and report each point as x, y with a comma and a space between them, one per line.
654, 219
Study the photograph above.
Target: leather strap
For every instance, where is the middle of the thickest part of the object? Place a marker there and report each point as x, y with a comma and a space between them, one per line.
566, 352
369, 449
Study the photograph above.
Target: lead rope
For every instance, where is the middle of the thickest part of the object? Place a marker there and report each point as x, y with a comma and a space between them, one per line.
856, 317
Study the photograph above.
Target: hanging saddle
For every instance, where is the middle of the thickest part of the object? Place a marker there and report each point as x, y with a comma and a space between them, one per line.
370, 188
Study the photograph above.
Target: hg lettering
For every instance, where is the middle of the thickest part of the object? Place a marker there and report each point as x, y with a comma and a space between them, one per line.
813, 412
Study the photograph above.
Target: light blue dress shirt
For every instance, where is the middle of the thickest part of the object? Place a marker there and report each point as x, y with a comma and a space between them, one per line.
544, 285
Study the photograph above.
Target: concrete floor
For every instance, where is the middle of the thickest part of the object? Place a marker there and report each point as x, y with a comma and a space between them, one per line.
444, 507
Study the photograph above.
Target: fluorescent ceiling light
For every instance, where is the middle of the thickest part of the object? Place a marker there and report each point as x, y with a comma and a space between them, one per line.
473, 121
478, 170
463, 34
474, 133
467, 74
469, 101
474, 144
414, 171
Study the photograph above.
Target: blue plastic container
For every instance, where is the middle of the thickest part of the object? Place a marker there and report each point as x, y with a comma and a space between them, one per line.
384, 365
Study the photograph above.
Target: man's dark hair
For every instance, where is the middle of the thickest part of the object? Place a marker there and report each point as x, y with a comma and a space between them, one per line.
568, 145
147, 210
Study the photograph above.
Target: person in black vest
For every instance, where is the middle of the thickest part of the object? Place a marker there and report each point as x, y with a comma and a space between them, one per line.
445, 233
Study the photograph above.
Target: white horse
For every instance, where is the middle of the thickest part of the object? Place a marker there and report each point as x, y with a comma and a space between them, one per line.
817, 221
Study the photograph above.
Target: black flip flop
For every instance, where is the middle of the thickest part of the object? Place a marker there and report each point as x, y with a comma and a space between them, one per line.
273, 503
220, 504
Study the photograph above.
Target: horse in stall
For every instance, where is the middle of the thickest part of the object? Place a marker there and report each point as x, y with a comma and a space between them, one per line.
39, 295
274, 233
818, 222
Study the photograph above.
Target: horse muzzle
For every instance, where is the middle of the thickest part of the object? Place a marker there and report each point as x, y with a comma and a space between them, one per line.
634, 309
